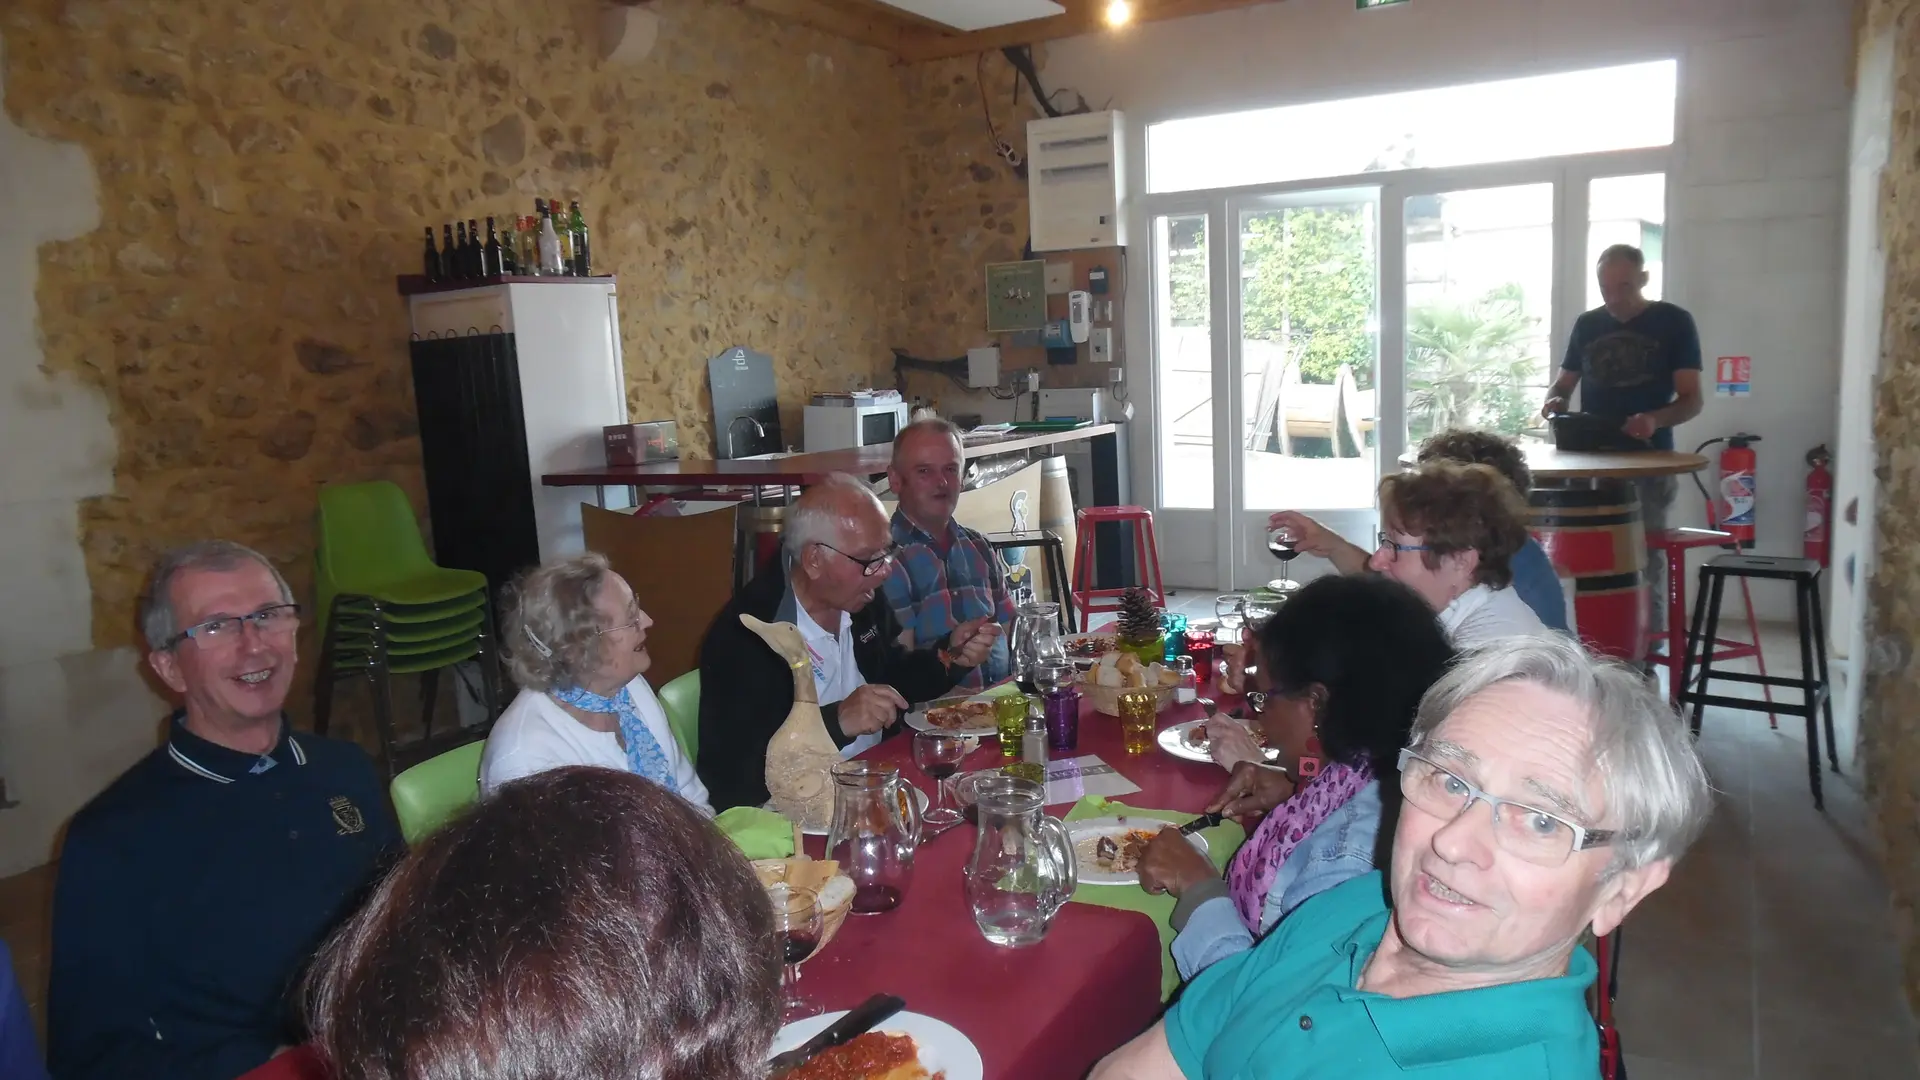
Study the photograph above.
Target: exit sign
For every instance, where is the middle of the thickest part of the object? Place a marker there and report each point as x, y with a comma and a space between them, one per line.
1362, 5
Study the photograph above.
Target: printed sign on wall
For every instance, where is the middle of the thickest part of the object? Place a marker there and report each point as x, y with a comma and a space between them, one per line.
1733, 376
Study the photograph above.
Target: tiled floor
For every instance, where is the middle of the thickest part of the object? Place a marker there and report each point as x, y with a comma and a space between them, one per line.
1770, 953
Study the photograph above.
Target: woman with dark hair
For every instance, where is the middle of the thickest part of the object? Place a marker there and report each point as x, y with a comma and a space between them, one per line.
1342, 666
581, 923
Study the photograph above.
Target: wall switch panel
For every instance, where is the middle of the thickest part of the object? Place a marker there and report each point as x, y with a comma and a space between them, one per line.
1059, 278
1100, 345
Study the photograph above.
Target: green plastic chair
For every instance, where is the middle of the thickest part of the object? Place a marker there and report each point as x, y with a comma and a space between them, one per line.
385, 608
370, 546
681, 700
428, 795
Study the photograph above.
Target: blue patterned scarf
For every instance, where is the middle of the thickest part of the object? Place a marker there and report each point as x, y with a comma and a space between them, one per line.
643, 752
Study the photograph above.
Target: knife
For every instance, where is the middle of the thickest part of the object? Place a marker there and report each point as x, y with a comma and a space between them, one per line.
861, 1020
1204, 821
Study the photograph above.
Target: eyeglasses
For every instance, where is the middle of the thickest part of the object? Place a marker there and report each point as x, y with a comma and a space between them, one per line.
1528, 833
226, 630
635, 621
1382, 540
870, 566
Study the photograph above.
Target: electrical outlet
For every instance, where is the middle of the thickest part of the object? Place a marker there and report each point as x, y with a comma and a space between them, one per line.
1117, 376
1100, 345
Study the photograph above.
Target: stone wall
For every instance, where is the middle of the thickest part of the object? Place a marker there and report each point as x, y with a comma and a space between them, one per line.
1890, 724
266, 168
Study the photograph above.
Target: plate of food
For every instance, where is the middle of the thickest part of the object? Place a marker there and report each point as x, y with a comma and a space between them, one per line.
906, 1046
1108, 849
1188, 740
955, 716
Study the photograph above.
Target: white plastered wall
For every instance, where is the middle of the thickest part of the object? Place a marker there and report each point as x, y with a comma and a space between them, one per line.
71, 716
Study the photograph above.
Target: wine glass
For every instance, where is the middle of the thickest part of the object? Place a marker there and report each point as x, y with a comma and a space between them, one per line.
1283, 543
797, 924
1052, 673
939, 753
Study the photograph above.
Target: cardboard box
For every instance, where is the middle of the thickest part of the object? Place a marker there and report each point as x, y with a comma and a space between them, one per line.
642, 444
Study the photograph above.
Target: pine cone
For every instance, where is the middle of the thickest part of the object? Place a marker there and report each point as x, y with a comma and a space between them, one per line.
1139, 619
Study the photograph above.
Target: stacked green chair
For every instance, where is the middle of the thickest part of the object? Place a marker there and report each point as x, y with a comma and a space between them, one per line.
431, 793
680, 699
386, 609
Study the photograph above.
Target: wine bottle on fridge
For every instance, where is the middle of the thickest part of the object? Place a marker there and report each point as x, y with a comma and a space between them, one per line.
549, 244
509, 257
490, 265
457, 262
523, 249
582, 259
476, 251
430, 258
565, 236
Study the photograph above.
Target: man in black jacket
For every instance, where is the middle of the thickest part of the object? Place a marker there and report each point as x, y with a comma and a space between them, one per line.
835, 555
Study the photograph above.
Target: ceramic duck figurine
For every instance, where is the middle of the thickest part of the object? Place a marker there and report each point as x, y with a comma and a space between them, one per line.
801, 752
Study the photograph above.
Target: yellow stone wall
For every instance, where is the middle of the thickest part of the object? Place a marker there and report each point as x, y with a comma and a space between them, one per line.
1890, 725
266, 168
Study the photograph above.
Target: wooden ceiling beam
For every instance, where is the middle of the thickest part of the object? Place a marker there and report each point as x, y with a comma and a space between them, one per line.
866, 26
1082, 17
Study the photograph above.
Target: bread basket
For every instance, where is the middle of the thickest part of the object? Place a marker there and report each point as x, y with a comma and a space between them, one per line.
803, 872
1106, 699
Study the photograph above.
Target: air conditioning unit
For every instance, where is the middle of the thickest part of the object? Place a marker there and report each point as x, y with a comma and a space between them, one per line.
1076, 181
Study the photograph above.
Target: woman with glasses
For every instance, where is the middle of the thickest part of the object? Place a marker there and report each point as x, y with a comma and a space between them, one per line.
1534, 579
1546, 794
1342, 667
1450, 532
576, 643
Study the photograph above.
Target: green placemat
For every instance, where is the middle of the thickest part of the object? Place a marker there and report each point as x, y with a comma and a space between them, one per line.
1222, 841
760, 834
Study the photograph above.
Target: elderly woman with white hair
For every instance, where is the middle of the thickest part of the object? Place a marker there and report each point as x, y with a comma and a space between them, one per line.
576, 643
1546, 793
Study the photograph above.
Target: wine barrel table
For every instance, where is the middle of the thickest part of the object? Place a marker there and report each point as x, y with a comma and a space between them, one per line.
1586, 513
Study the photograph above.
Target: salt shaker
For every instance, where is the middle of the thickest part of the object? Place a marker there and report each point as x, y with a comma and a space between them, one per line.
1187, 691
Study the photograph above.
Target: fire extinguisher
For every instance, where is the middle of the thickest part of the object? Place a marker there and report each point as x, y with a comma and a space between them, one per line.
1819, 539
1733, 510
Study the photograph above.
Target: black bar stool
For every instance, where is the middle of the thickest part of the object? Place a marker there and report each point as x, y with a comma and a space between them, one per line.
1054, 559
1813, 685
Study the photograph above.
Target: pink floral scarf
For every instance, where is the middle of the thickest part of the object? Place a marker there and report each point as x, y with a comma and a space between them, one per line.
1258, 861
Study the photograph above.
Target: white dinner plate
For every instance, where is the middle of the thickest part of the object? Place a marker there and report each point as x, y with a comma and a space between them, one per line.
1086, 834
1174, 741
917, 718
919, 801
942, 1048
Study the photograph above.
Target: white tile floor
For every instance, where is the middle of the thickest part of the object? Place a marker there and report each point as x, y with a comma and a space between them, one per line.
1771, 953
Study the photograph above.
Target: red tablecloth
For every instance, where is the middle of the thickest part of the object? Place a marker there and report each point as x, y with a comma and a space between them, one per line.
299, 1063
1045, 1012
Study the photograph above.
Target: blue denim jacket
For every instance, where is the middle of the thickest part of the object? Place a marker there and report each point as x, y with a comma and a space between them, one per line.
1535, 583
1339, 850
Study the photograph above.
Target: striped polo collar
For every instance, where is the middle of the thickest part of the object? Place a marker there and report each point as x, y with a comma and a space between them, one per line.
223, 765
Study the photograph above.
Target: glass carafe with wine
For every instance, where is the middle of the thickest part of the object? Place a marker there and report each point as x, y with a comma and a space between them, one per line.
1283, 543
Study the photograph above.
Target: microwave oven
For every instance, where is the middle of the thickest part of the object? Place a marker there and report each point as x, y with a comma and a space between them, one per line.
844, 427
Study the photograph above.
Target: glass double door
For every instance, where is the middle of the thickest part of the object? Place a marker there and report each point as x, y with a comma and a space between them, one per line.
1273, 313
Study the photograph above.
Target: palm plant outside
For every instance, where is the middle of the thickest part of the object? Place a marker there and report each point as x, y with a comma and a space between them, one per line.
1473, 365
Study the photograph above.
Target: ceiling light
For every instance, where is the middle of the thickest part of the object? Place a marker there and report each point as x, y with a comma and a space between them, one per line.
1118, 12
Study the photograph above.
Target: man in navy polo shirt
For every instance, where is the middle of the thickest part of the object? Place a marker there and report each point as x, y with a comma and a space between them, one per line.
194, 890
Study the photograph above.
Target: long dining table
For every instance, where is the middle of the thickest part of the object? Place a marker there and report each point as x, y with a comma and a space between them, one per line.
1044, 1012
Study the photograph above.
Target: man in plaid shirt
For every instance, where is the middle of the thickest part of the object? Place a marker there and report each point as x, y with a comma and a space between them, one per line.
945, 573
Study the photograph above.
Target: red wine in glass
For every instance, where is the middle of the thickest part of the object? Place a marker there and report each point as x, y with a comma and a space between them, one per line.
1282, 545
868, 899
940, 770
797, 945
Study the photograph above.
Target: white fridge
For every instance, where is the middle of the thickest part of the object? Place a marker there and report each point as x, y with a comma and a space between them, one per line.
511, 381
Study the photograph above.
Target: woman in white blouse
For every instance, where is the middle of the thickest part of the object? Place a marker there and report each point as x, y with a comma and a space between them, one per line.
1450, 533
576, 643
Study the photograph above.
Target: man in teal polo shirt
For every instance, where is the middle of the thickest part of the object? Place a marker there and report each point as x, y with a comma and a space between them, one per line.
1463, 960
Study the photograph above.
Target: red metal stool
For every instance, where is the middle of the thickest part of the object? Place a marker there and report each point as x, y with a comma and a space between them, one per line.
1090, 600
1675, 543
1606, 986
